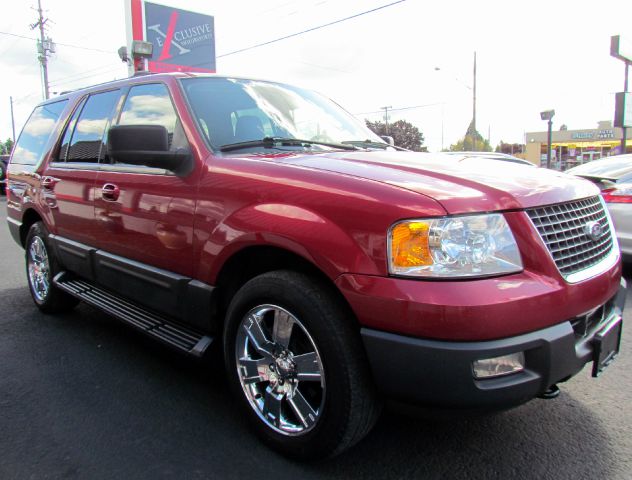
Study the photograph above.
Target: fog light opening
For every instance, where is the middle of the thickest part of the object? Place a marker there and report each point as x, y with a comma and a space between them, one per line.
498, 366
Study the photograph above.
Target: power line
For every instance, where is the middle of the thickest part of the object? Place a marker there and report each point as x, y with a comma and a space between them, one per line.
78, 76
401, 108
322, 66
62, 44
310, 29
86, 76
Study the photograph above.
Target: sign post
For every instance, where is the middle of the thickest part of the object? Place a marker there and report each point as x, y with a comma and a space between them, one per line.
622, 49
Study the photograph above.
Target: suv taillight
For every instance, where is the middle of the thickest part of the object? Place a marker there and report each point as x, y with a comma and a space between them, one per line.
620, 194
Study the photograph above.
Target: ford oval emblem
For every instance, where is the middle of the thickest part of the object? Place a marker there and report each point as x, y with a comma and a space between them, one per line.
593, 230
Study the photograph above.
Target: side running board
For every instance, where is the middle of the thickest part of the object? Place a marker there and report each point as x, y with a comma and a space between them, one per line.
175, 334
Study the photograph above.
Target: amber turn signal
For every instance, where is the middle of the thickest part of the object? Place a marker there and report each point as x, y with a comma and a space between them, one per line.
409, 245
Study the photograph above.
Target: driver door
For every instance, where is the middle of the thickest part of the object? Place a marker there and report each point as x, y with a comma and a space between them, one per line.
144, 215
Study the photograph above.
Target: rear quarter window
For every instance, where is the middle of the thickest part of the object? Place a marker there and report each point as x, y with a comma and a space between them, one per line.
35, 135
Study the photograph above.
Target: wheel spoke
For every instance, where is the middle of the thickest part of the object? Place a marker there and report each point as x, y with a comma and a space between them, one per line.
282, 329
33, 252
308, 367
302, 409
254, 371
256, 335
272, 406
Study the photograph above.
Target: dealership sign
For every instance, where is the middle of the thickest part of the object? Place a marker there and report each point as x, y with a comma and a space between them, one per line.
621, 48
183, 41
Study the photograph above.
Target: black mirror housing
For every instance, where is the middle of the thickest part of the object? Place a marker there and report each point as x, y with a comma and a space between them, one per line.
146, 145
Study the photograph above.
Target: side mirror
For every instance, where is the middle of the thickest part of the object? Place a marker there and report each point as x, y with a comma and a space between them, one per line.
147, 145
388, 140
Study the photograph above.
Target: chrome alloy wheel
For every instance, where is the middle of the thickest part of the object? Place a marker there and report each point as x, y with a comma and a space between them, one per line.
39, 268
280, 370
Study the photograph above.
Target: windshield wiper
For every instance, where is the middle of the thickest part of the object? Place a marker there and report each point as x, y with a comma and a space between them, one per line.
271, 142
372, 144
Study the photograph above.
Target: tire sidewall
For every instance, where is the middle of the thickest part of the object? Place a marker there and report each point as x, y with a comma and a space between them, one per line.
314, 313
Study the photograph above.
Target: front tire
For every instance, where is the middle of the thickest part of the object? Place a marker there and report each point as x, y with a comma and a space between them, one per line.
41, 268
295, 360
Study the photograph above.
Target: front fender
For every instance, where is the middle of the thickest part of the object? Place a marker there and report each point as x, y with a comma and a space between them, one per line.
298, 230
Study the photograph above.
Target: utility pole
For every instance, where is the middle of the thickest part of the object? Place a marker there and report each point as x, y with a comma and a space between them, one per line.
386, 117
549, 140
44, 47
624, 138
474, 105
12, 119
548, 115
442, 121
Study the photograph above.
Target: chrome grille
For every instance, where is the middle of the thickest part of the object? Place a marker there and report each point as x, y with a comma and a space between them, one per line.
561, 227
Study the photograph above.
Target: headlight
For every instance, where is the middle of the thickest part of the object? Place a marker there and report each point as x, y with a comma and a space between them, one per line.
468, 246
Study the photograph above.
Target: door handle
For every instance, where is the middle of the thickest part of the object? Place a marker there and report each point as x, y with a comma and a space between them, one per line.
49, 183
110, 192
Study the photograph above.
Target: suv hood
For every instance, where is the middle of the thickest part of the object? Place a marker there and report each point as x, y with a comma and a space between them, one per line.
460, 184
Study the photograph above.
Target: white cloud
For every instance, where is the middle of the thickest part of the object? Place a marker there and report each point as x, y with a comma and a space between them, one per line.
94, 126
39, 126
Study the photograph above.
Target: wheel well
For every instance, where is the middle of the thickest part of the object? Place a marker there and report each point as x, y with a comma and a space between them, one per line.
29, 218
253, 261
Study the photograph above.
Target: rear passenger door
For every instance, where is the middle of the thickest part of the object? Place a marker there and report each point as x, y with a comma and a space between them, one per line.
68, 181
144, 214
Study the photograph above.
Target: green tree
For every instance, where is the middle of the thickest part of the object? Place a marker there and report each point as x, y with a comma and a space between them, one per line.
472, 140
404, 133
6, 147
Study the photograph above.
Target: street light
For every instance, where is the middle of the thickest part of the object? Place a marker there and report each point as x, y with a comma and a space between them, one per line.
473, 89
548, 115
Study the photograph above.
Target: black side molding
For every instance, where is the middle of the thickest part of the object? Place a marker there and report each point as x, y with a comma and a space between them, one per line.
74, 256
162, 290
172, 294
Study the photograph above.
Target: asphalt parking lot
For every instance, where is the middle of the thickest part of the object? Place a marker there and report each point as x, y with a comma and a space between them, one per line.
82, 396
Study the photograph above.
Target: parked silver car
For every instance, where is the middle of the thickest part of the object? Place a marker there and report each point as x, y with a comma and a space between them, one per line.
613, 175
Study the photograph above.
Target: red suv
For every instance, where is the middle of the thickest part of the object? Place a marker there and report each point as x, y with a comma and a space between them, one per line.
332, 269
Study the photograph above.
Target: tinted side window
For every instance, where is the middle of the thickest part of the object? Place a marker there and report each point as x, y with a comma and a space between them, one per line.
65, 143
151, 105
86, 144
36, 133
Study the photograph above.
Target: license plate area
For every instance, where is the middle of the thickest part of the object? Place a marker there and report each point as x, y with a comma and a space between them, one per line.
606, 344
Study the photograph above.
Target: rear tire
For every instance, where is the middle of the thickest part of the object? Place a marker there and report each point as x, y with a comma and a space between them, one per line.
296, 362
41, 268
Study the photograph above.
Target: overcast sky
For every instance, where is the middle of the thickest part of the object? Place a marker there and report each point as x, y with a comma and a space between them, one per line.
532, 56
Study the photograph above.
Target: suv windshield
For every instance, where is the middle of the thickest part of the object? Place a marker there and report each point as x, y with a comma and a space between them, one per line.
234, 111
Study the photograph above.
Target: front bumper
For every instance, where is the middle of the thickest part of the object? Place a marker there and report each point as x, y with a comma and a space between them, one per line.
439, 373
